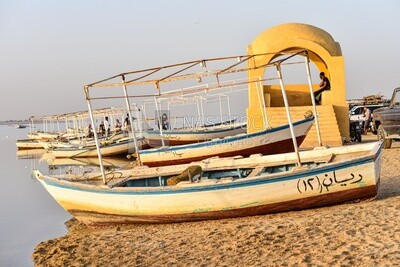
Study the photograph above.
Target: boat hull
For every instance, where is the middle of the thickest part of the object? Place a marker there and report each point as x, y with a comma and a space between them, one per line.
24, 144
98, 219
174, 137
115, 149
272, 141
328, 184
43, 135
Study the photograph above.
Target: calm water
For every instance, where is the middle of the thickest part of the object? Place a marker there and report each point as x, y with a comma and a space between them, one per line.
29, 214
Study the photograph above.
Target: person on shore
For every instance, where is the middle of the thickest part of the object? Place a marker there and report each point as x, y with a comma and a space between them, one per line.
367, 119
102, 129
107, 126
324, 85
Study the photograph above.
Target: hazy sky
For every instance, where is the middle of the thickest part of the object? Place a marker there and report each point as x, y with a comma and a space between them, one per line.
50, 49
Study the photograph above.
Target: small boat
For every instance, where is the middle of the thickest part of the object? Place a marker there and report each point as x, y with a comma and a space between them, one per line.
228, 187
23, 144
193, 135
266, 142
20, 126
43, 135
81, 141
116, 162
120, 147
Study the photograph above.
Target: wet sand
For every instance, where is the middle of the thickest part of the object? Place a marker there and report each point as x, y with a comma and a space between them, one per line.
365, 233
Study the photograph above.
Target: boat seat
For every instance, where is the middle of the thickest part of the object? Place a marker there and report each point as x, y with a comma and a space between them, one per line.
325, 159
226, 180
202, 182
256, 172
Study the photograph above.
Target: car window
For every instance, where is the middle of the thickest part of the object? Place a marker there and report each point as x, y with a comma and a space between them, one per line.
358, 111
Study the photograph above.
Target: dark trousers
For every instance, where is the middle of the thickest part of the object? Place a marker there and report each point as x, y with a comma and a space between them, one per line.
318, 94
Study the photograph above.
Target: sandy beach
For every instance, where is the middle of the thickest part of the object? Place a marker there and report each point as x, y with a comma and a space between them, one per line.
365, 233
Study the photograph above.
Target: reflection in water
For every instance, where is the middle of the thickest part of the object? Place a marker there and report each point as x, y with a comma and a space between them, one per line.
30, 153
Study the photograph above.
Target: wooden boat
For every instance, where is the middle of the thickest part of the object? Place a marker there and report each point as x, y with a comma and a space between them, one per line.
229, 187
23, 144
117, 162
118, 147
270, 141
36, 140
193, 135
38, 143
43, 135
81, 142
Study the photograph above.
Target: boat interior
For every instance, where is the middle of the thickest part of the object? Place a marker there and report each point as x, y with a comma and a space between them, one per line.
223, 170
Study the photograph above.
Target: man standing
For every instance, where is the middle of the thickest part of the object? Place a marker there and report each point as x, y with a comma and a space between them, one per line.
107, 126
367, 119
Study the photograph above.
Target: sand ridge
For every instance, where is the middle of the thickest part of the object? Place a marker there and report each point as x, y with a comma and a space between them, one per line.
365, 233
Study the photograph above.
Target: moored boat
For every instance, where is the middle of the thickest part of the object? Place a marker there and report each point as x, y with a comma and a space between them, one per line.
120, 147
229, 187
23, 144
266, 142
193, 135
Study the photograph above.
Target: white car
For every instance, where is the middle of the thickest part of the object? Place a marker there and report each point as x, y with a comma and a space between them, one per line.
356, 113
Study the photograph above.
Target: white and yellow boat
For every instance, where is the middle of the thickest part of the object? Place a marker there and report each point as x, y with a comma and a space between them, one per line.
229, 187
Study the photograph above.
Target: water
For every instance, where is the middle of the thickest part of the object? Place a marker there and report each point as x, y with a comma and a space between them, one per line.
28, 213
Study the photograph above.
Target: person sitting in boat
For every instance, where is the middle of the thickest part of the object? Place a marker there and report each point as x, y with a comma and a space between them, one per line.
118, 126
324, 85
102, 129
90, 131
127, 123
164, 122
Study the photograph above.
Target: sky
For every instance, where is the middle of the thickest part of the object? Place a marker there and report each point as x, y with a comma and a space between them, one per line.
50, 49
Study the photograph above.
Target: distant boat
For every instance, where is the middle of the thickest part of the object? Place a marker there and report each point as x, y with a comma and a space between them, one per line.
229, 187
43, 135
117, 162
193, 135
19, 126
80, 141
121, 147
28, 144
266, 142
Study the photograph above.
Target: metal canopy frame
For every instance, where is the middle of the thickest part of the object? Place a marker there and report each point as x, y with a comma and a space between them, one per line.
143, 77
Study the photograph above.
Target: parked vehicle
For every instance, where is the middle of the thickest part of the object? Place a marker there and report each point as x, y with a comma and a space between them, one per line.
356, 113
387, 120
356, 130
